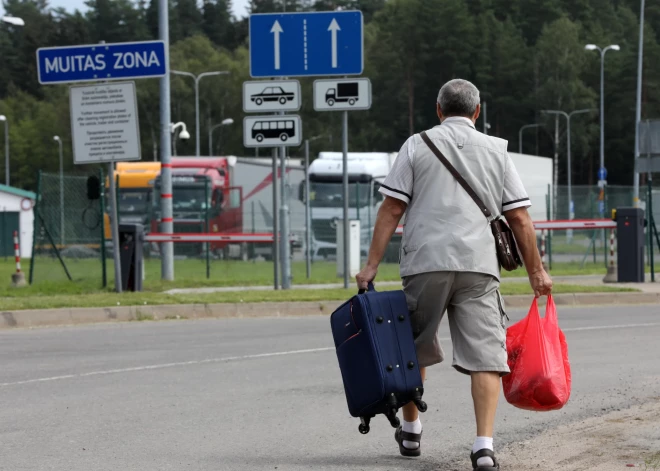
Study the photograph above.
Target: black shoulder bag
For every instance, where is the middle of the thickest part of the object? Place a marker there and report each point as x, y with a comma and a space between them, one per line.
505, 242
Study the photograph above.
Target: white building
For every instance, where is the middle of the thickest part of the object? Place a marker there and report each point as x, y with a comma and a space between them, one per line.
16, 214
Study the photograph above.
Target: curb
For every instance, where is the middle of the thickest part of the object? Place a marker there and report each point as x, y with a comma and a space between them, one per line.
77, 316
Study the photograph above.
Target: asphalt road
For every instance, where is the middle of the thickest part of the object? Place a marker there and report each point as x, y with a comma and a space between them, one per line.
265, 394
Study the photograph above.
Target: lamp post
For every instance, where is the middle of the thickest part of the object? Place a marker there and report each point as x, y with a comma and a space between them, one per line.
520, 133
184, 134
638, 107
593, 47
59, 141
197, 78
4, 118
225, 122
568, 117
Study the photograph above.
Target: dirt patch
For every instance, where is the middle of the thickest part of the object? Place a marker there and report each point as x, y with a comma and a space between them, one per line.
614, 442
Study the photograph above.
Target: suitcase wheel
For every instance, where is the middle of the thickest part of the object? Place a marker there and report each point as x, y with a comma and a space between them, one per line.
421, 406
364, 429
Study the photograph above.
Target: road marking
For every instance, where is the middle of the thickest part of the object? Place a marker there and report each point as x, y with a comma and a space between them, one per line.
607, 327
168, 365
262, 355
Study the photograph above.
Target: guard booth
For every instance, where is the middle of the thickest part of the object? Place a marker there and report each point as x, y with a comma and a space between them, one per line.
630, 253
131, 240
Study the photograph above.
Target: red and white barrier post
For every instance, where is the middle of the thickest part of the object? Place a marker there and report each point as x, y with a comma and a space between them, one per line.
543, 250
612, 274
18, 278
17, 252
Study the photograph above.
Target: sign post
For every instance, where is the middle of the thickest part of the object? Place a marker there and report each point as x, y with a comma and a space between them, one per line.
277, 97
304, 45
104, 117
343, 95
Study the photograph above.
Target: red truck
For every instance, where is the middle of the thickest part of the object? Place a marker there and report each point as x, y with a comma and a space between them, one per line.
202, 192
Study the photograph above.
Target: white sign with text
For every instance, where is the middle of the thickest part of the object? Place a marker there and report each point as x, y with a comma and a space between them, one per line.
104, 123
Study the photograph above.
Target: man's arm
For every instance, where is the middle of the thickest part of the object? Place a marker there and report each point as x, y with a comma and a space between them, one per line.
387, 220
523, 229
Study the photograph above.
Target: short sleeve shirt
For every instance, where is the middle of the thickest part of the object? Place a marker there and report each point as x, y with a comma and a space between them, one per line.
399, 182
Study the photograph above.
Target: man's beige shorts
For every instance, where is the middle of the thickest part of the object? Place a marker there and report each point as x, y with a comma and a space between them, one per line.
476, 319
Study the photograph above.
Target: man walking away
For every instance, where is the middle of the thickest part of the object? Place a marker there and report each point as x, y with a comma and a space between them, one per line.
448, 258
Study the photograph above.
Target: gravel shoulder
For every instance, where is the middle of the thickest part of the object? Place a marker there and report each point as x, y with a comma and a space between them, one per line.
619, 440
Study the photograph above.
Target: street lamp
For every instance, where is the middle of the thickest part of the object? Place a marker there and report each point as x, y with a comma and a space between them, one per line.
197, 78
526, 126
4, 118
568, 117
184, 134
638, 107
13, 20
593, 47
59, 141
225, 122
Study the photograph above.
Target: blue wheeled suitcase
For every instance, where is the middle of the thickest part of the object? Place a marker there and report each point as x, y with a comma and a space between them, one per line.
377, 356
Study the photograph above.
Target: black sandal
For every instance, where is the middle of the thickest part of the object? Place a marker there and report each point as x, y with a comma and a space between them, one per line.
483, 454
400, 436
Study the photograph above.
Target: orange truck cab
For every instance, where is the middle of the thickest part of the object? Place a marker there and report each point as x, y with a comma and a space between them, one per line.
135, 184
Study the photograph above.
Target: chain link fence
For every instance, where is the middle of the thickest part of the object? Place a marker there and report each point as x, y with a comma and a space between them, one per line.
588, 246
68, 230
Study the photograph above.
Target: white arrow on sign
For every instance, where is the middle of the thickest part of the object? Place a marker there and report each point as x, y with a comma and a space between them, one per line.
277, 30
334, 27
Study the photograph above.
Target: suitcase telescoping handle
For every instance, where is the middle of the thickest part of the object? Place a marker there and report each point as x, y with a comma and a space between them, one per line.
370, 287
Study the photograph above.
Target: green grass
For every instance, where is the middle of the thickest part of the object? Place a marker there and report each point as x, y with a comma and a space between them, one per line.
106, 299
50, 278
51, 289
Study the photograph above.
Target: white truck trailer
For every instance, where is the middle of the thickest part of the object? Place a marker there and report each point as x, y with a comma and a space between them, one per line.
366, 171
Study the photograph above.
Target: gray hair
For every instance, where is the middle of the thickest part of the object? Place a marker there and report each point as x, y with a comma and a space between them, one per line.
458, 98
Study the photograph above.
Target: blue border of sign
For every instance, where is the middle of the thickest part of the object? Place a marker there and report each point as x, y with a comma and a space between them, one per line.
103, 79
306, 13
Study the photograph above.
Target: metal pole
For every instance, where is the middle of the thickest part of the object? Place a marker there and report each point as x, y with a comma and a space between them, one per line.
638, 111
104, 269
345, 180
114, 227
602, 109
210, 139
59, 141
485, 118
197, 116
276, 225
284, 221
555, 175
7, 151
207, 228
569, 234
308, 222
167, 248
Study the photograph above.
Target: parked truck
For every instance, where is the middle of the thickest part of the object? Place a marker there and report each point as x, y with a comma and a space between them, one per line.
366, 171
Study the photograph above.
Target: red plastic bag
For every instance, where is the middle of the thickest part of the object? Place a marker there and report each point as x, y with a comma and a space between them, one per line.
540, 378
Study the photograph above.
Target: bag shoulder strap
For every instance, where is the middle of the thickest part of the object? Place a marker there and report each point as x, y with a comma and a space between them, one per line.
456, 175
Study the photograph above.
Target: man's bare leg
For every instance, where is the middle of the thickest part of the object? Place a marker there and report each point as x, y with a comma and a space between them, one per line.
411, 422
485, 394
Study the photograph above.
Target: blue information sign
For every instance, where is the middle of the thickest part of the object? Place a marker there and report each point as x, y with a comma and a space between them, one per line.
306, 44
602, 174
87, 63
